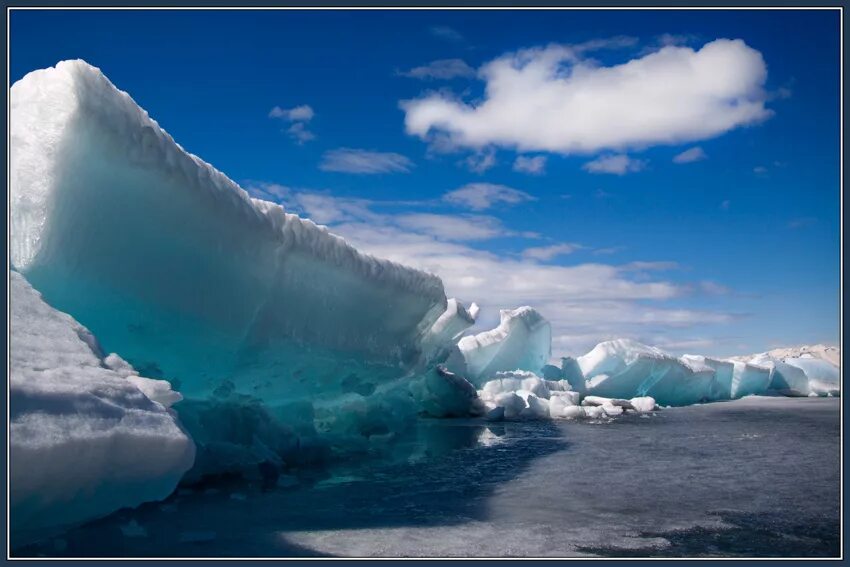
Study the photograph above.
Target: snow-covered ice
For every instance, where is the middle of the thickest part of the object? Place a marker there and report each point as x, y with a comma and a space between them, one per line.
267, 322
522, 341
85, 439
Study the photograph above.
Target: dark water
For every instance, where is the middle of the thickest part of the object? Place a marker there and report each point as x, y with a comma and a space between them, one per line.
754, 477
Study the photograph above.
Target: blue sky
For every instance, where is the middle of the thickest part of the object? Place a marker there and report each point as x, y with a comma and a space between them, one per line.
535, 162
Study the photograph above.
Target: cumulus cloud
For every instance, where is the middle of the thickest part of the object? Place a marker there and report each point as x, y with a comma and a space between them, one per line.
690, 155
351, 160
554, 99
481, 196
620, 164
442, 69
544, 253
533, 165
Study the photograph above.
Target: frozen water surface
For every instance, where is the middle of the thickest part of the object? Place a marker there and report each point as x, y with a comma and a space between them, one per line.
752, 477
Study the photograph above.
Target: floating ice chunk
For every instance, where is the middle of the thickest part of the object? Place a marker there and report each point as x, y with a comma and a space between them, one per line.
84, 440
559, 404
521, 341
537, 408
611, 410
572, 412
512, 403
643, 404
600, 401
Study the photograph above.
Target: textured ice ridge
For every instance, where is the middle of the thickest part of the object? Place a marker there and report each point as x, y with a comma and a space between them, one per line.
279, 334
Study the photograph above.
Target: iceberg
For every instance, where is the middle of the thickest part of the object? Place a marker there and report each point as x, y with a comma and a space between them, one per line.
88, 435
824, 377
624, 368
522, 341
268, 324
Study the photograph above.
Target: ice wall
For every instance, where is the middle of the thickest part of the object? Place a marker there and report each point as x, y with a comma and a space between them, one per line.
176, 268
88, 435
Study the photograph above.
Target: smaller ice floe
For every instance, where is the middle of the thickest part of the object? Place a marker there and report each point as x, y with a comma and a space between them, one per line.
520, 395
521, 341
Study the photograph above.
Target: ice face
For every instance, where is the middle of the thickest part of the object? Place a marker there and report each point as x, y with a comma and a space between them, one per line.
172, 265
750, 379
88, 435
824, 377
522, 341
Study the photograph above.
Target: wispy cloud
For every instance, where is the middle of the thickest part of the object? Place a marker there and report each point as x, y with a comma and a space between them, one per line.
446, 33
351, 160
544, 253
480, 161
801, 222
586, 302
481, 196
299, 116
555, 99
441, 69
535, 165
691, 155
614, 164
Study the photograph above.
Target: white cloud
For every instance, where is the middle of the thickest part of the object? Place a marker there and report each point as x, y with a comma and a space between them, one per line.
615, 164
303, 113
447, 33
451, 227
725, 204
533, 165
480, 196
441, 69
481, 161
553, 99
299, 132
544, 253
350, 160
298, 116
802, 222
586, 303
760, 170
690, 155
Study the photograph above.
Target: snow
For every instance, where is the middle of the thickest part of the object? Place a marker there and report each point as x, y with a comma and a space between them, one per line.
270, 324
522, 341
85, 440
